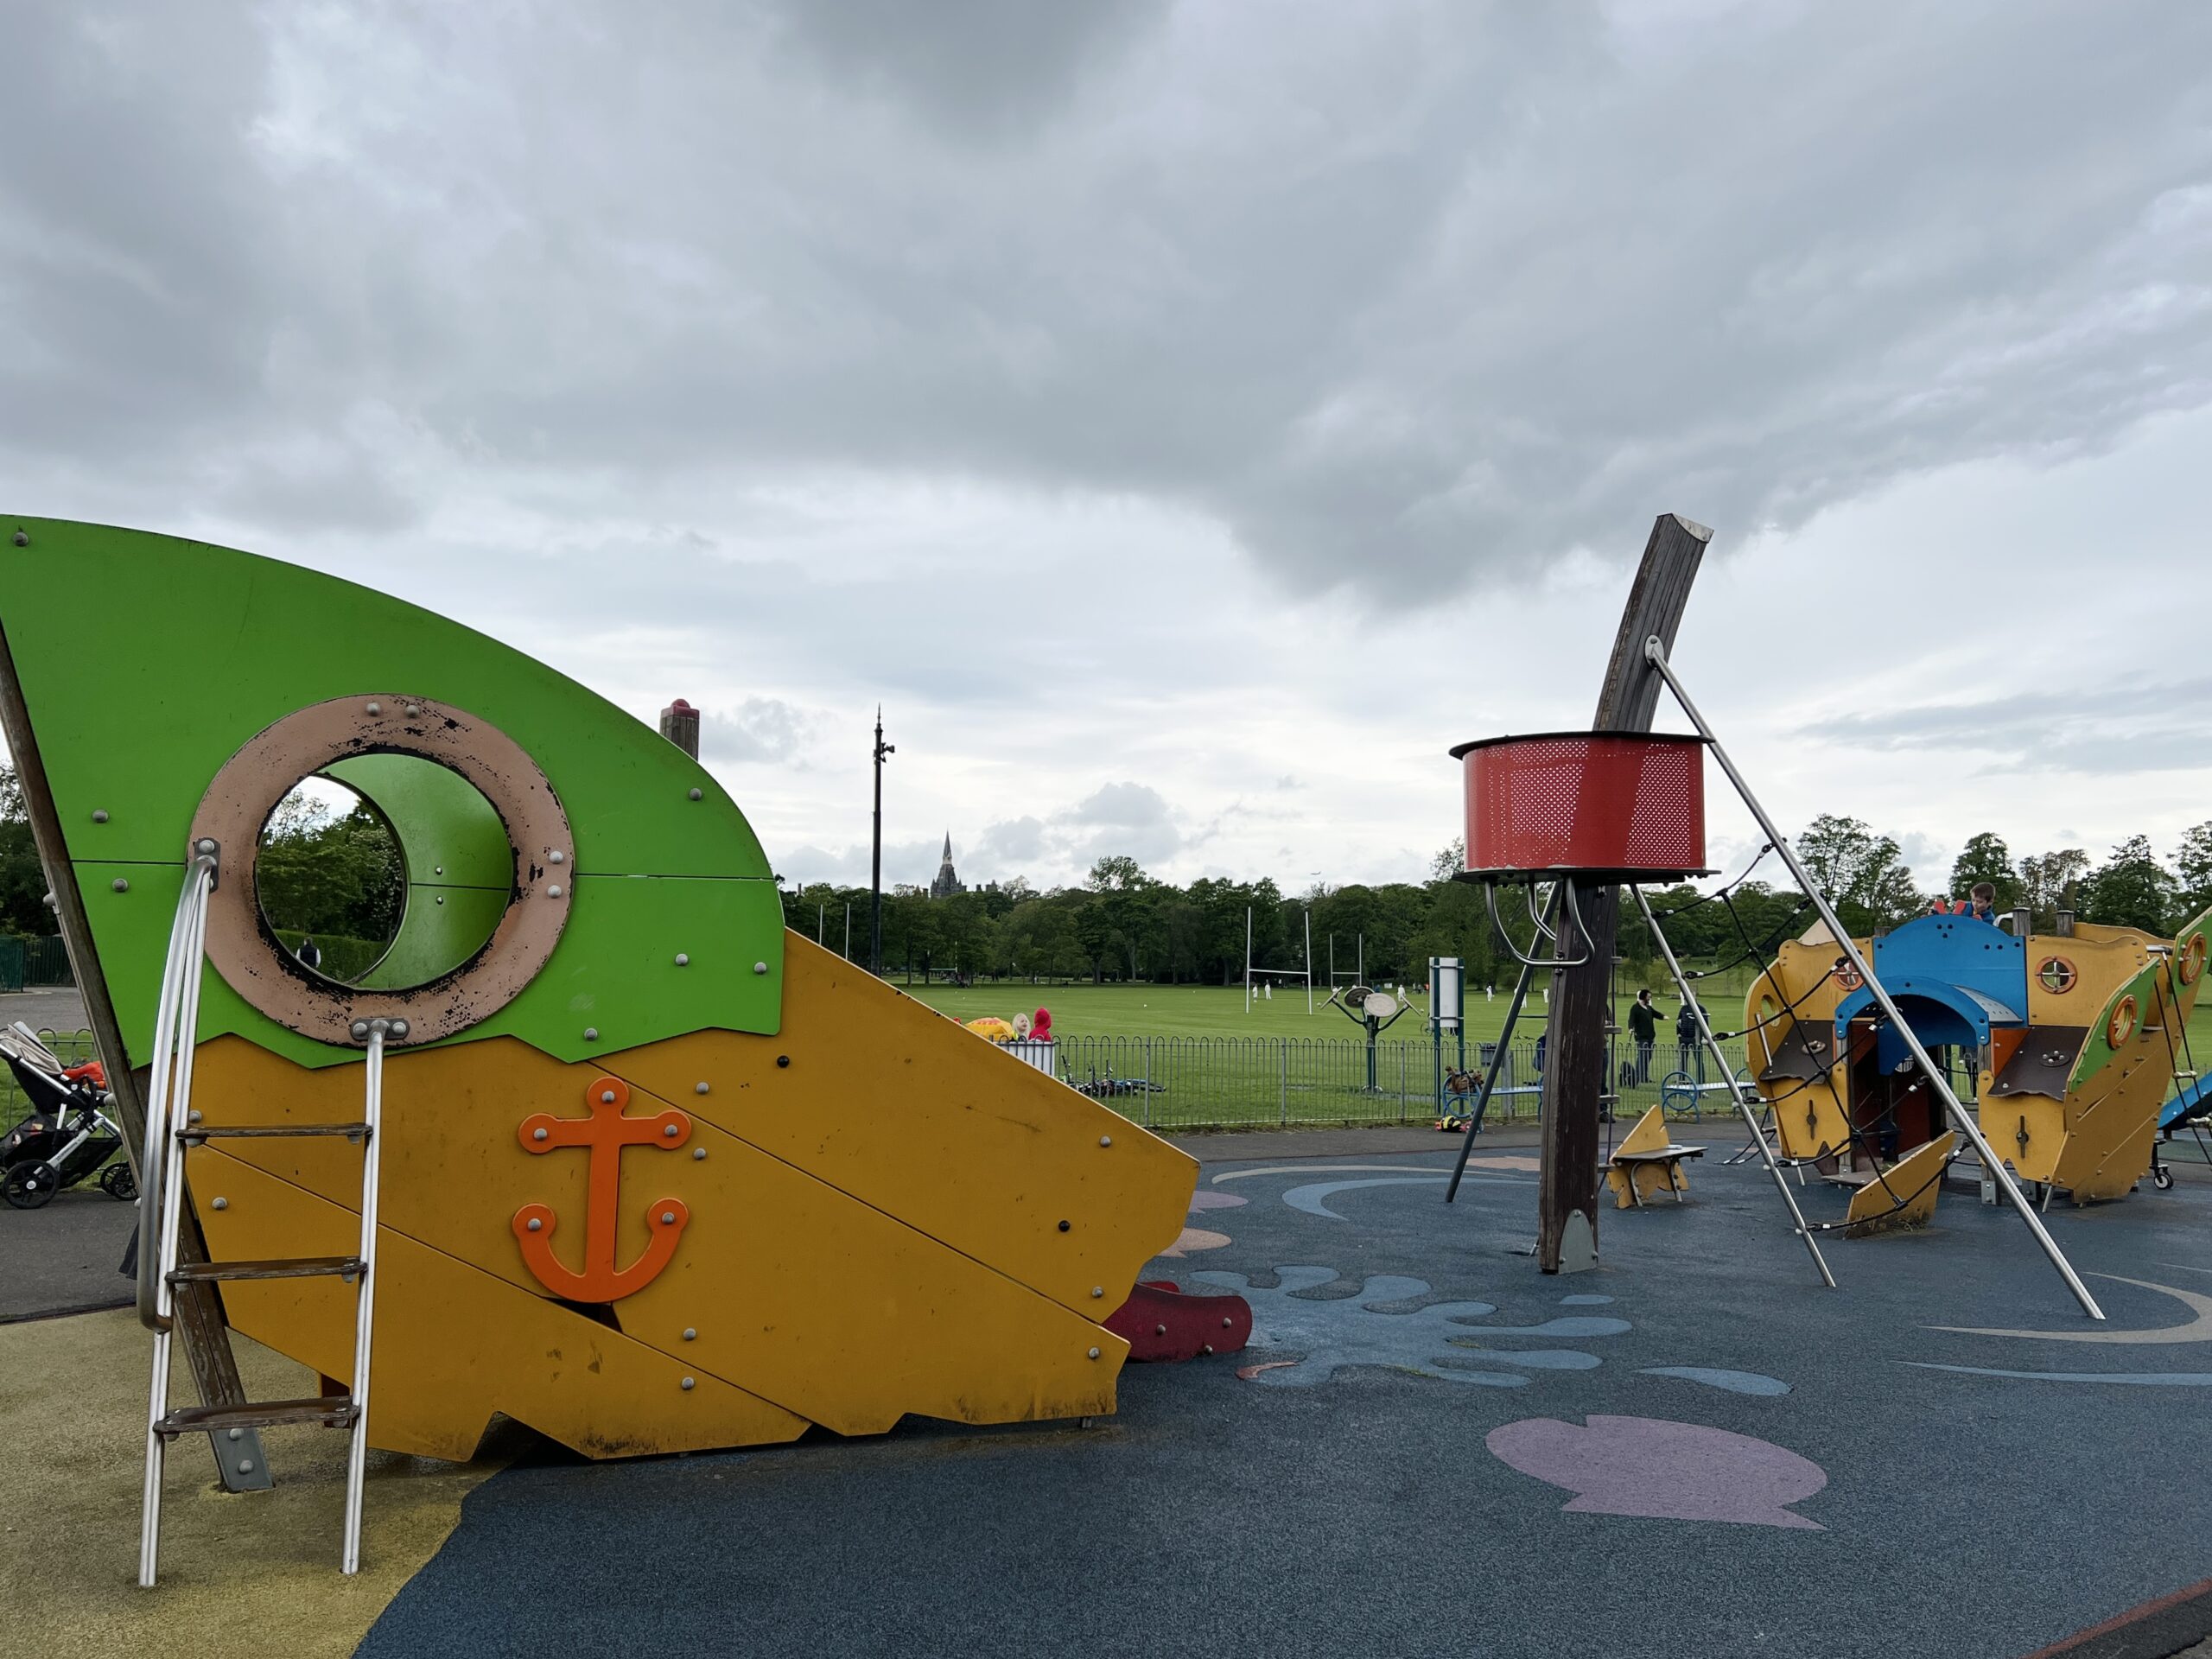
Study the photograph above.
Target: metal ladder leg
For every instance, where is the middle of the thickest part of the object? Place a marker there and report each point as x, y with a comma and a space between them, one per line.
175, 1028
365, 1314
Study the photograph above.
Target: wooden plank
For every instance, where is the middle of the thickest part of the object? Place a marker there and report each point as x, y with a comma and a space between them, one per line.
1575, 1070
199, 1310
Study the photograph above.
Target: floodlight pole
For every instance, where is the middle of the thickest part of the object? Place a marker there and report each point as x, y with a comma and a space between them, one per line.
1655, 653
1248, 959
876, 866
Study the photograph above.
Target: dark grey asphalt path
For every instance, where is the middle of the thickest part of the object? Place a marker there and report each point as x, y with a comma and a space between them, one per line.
64, 1256
1962, 1514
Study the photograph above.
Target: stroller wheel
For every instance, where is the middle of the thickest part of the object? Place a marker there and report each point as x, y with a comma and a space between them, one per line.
29, 1185
2161, 1178
117, 1182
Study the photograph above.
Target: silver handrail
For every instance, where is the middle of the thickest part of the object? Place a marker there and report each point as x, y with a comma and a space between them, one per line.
365, 1311
176, 1020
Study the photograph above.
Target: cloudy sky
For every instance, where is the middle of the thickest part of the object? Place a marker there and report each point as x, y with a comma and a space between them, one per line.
1186, 419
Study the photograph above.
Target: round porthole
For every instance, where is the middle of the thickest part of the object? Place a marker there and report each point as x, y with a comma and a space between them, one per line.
438, 852
2056, 975
2192, 959
2121, 1025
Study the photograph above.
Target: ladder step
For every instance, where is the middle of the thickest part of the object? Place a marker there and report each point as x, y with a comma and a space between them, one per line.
296, 1267
336, 1412
267, 1131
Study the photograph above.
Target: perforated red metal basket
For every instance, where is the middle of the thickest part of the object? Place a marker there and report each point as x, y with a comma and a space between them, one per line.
1591, 804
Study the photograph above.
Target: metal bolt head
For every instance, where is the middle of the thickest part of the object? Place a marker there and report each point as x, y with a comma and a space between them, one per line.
1098, 1290
691, 1333
536, 1223
99, 815
699, 1088
1094, 1353
671, 1130
238, 1433
1225, 1325
782, 1061
698, 1154
591, 1033
1105, 1139
206, 847
360, 1027
606, 1096
668, 1217
438, 869
698, 794
222, 1203
539, 1135
121, 886
375, 708
442, 898
22, 538
245, 1465
682, 960
553, 892
1065, 1225
1158, 1330
689, 1383
759, 967
557, 856
194, 1116
400, 1027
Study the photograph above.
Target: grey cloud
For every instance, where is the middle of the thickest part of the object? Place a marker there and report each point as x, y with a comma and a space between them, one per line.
1125, 805
1019, 841
2128, 724
975, 67
1417, 288
761, 729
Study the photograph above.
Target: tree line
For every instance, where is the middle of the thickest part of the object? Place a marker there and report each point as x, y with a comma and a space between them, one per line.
1122, 924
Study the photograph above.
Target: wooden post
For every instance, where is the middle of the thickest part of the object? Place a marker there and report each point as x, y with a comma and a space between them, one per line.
1575, 1065
199, 1320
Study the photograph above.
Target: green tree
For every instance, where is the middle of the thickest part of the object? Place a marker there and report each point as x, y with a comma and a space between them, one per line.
2130, 889
2049, 883
1986, 858
1864, 875
2193, 868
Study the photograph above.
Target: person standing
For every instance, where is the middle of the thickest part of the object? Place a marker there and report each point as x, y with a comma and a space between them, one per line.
1643, 1027
1692, 1058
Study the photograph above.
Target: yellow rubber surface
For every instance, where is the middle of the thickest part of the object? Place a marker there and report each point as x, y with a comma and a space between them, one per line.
245, 1575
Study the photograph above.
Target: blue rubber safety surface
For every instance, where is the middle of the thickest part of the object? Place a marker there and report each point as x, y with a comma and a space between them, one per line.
1805, 1471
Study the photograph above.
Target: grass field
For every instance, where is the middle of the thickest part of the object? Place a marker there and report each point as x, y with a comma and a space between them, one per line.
1217, 1011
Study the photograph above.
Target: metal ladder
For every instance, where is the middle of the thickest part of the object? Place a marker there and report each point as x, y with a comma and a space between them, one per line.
171, 1128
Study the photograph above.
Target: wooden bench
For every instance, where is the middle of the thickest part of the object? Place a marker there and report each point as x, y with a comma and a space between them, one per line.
1647, 1159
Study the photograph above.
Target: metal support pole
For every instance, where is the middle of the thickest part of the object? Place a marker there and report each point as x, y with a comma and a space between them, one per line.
1248, 959
1498, 1063
1735, 1090
1309, 962
1147, 1083
875, 863
1656, 654
1283, 1051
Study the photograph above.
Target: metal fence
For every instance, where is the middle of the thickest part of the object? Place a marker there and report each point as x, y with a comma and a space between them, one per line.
1245, 1083
29, 961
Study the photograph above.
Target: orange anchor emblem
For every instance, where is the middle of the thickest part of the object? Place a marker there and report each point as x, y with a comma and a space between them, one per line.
606, 1132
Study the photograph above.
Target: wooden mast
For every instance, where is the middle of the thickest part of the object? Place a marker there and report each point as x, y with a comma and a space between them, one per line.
1581, 1006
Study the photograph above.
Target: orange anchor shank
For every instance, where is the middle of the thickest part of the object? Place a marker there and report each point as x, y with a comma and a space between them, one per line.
605, 1133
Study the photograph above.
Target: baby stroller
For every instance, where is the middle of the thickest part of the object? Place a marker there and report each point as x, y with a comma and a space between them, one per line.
67, 1135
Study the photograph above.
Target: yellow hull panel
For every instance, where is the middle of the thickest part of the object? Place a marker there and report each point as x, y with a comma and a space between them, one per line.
903, 1219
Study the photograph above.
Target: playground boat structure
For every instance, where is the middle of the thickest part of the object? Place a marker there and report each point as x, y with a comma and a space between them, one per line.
2074, 1040
597, 1144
